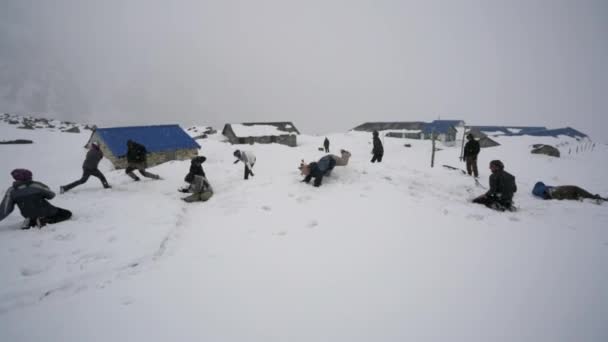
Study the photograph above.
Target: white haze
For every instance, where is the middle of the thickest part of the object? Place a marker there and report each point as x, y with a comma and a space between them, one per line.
326, 65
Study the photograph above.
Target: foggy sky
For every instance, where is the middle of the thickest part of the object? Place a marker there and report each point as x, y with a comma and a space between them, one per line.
325, 65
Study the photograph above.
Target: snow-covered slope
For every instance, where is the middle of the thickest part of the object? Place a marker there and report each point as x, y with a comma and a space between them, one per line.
380, 252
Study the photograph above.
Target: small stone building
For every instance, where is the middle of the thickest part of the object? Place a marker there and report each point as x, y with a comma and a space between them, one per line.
163, 142
443, 130
262, 133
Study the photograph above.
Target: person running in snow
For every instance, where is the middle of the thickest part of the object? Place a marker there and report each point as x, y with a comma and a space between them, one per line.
196, 169
89, 168
502, 188
326, 145
200, 188
564, 192
32, 199
471, 150
248, 158
137, 160
378, 150
323, 167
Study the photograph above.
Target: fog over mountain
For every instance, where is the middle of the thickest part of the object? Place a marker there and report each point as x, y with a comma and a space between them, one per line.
326, 65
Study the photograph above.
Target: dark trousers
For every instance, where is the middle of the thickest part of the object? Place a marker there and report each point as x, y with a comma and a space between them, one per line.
248, 171
60, 215
129, 170
472, 165
377, 157
494, 202
86, 173
326, 149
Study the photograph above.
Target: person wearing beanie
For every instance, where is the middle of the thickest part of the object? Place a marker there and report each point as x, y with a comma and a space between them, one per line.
248, 158
378, 150
89, 168
32, 199
502, 188
471, 150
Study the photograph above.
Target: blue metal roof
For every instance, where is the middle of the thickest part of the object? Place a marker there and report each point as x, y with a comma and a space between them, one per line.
440, 126
567, 131
154, 138
506, 131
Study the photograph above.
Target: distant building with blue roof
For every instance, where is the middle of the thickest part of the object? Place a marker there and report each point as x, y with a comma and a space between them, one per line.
163, 142
444, 130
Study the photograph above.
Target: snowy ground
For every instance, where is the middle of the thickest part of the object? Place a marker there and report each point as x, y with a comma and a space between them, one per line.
384, 252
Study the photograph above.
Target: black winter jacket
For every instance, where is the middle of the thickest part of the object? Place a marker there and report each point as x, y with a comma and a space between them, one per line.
471, 148
502, 186
91, 162
378, 148
136, 153
31, 198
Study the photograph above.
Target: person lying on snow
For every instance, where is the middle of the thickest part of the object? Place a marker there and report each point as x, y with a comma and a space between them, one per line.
248, 158
564, 192
200, 188
32, 199
323, 167
502, 188
196, 169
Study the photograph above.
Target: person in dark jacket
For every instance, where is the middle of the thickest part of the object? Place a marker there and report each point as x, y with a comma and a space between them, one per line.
89, 168
471, 150
564, 192
32, 199
196, 169
326, 145
318, 170
137, 160
502, 188
378, 150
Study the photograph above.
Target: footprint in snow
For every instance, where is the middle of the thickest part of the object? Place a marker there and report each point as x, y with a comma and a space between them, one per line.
281, 233
475, 217
266, 208
312, 224
31, 271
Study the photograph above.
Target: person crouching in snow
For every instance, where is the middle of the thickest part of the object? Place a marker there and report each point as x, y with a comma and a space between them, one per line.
200, 188
248, 158
502, 188
137, 160
196, 169
89, 168
32, 199
317, 170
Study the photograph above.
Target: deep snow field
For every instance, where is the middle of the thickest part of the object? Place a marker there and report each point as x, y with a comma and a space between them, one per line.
381, 252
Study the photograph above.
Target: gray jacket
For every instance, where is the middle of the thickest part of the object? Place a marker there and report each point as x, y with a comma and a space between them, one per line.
92, 160
200, 185
31, 198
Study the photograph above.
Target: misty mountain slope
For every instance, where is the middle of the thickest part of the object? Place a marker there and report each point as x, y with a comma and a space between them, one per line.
385, 252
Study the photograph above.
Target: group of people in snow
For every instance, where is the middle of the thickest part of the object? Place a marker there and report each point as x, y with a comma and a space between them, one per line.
33, 197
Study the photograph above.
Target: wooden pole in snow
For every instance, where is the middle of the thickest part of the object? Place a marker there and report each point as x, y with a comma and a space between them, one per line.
464, 134
433, 151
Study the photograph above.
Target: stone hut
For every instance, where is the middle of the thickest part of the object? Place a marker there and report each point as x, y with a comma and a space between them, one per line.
262, 133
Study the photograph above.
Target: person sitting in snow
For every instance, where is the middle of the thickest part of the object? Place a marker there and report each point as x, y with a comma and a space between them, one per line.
199, 187
32, 199
502, 188
137, 160
89, 168
248, 158
196, 169
563, 192
323, 167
